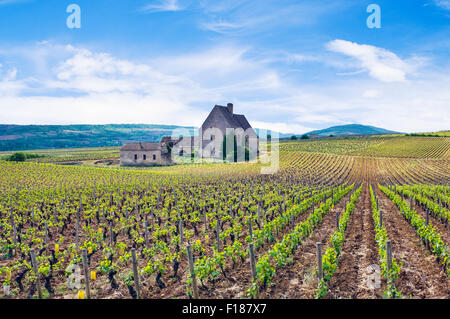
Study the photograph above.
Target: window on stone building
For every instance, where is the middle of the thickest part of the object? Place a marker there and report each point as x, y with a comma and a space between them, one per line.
145, 157
154, 157
135, 157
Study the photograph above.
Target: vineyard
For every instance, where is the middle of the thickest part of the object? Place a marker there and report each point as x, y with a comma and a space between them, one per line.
335, 215
377, 146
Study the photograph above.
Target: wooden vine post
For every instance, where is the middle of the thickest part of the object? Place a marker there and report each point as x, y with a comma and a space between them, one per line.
250, 232
35, 269
440, 213
427, 222
319, 261
77, 229
337, 220
135, 273
259, 215
153, 219
191, 270
46, 234
111, 234
389, 258
381, 218
86, 273
206, 220
180, 220
181, 231
14, 233
218, 234
146, 234
33, 219
251, 249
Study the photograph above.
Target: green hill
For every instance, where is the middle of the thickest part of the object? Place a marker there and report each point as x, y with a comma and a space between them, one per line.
33, 137
351, 129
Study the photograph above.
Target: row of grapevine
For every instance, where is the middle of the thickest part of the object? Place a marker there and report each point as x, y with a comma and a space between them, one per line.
277, 257
332, 253
381, 237
427, 233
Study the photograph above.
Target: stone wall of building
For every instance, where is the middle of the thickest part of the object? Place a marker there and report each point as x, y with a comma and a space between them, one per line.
214, 130
142, 158
211, 144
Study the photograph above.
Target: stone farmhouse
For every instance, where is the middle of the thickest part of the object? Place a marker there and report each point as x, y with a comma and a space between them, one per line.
143, 154
208, 144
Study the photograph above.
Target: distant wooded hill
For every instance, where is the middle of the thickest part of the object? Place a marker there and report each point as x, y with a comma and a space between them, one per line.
33, 137
351, 129
30, 137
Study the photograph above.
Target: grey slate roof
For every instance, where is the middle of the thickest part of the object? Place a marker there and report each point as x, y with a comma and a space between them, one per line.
233, 120
141, 147
242, 120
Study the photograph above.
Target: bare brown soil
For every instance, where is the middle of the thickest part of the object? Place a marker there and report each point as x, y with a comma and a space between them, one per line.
297, 281
238, 279
421, 275
359, 251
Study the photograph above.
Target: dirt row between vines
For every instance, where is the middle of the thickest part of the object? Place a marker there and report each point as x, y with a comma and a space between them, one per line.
238, 280
297, 280
421, 275
359, 251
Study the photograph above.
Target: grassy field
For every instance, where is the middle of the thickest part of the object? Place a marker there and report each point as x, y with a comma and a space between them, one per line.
71, 154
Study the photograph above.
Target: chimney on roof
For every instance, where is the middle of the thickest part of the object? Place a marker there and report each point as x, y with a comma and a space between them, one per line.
230, 107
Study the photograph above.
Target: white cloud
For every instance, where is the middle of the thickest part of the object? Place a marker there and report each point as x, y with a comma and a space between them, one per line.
445, 4
162, 5
98, 108
90, 87
5, 2
282, 127
381, 64
256, 16
84, 86
224, 27
371, 94
88, 72
350, 73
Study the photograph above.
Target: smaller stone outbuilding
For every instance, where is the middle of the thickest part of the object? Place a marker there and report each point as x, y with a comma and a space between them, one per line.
143, 154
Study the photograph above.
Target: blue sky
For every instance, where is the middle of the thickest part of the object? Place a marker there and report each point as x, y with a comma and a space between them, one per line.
287, 65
